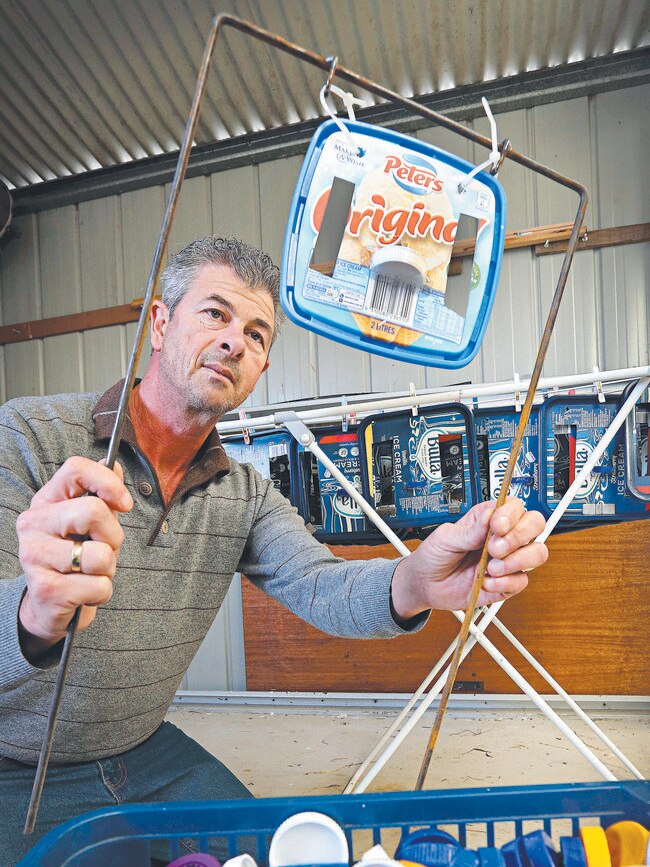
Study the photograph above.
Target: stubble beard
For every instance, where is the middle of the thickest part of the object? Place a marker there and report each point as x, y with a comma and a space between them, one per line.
202, 399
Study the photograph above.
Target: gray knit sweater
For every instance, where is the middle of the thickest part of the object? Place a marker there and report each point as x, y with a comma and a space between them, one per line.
173, 572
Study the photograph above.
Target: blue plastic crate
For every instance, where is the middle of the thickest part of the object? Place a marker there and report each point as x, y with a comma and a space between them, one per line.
123, 835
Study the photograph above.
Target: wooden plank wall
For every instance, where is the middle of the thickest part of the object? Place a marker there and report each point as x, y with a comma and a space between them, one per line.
584, 615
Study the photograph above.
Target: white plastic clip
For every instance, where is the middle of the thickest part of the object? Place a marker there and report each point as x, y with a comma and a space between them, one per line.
349, 100
246, 431
494, 160
598, 387
415, 408
517, 382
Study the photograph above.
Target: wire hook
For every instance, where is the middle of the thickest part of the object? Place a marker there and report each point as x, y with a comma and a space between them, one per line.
348, 99
333, 62
493, 162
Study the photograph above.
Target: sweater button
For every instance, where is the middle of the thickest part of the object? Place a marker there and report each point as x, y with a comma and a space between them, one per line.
165, 527
146, 489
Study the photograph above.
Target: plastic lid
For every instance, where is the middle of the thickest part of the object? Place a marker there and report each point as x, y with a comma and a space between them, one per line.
395, 259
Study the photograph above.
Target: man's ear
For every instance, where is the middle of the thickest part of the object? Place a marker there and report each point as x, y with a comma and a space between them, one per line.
266, 365
159, 321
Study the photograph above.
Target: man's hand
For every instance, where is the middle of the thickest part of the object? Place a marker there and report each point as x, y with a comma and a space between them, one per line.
440, 572
58, 513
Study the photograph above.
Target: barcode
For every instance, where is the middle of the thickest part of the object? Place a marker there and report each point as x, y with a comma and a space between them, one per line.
392, 299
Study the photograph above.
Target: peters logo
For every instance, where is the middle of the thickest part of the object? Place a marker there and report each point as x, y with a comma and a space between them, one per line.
415, 174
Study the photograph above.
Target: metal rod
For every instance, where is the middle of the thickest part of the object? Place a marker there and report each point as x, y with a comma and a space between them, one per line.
325, 64
116, 436
516, 447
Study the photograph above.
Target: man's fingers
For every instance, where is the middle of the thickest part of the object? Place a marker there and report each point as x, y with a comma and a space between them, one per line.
522, 560
51, 600
466, 534
83, 516
97, 558
520, 530
78, 476
500, 589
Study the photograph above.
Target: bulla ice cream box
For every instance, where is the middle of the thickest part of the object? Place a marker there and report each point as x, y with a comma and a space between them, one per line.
420, 469
399, 205
571, 428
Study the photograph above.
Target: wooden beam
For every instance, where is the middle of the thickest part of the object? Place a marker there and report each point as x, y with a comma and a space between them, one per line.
634, 234
545, 240
522, 238
554, 232
70, 323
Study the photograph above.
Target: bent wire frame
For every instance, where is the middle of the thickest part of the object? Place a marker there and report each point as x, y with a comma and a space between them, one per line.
333, 69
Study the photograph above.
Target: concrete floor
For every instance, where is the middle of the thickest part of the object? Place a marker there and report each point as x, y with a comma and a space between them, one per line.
305, 752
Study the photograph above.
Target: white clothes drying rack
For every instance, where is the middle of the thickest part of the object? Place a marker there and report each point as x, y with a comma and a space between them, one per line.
295, 423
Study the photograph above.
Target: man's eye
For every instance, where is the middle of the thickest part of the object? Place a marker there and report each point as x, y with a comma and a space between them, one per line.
214, 313
257, 336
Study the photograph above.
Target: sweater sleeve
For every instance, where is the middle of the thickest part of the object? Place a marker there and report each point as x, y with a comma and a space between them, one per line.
346, 598
21, 475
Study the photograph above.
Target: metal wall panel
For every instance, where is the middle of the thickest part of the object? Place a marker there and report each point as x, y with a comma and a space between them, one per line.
292, 374
20, 279
99, 254
621, 134
89, 85
102, 284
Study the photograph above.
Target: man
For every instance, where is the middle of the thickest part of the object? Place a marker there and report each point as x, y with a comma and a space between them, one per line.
171, 525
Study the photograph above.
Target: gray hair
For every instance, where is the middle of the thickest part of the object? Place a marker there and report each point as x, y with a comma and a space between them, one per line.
251, 265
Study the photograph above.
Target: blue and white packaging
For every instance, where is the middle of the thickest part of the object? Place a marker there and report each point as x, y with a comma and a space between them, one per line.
328, 507
420, 470
386, 291
274, 456
571, 427
495, 431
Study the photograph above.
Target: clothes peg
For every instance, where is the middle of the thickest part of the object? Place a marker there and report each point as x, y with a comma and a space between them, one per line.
517, 392
246, 431
598, 387
415, 408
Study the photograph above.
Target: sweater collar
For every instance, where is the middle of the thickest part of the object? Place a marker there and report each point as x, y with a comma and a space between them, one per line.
210, 461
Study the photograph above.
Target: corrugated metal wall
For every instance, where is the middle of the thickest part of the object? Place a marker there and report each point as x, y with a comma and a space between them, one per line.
98, 254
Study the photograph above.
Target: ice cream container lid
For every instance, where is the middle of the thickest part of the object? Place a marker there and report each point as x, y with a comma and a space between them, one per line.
308, 838
369, 242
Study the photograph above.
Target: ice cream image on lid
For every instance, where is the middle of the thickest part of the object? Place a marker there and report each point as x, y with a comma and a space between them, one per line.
370, 237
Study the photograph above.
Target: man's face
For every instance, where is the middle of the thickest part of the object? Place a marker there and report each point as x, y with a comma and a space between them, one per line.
216, 345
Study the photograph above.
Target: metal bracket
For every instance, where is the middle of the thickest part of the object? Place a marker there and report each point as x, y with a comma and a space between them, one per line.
296, 427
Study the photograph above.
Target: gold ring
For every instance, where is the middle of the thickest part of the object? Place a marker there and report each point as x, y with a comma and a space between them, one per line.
75, 556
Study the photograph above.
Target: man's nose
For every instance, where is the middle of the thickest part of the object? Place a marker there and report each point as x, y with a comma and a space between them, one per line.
232, 341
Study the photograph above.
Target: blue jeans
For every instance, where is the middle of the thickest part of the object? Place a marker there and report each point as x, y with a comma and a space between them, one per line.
169, 766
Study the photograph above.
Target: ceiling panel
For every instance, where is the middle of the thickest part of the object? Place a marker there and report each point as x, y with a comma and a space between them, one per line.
89, 84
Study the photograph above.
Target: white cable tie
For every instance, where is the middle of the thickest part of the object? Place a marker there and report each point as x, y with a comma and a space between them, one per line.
494, 158
349, 100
